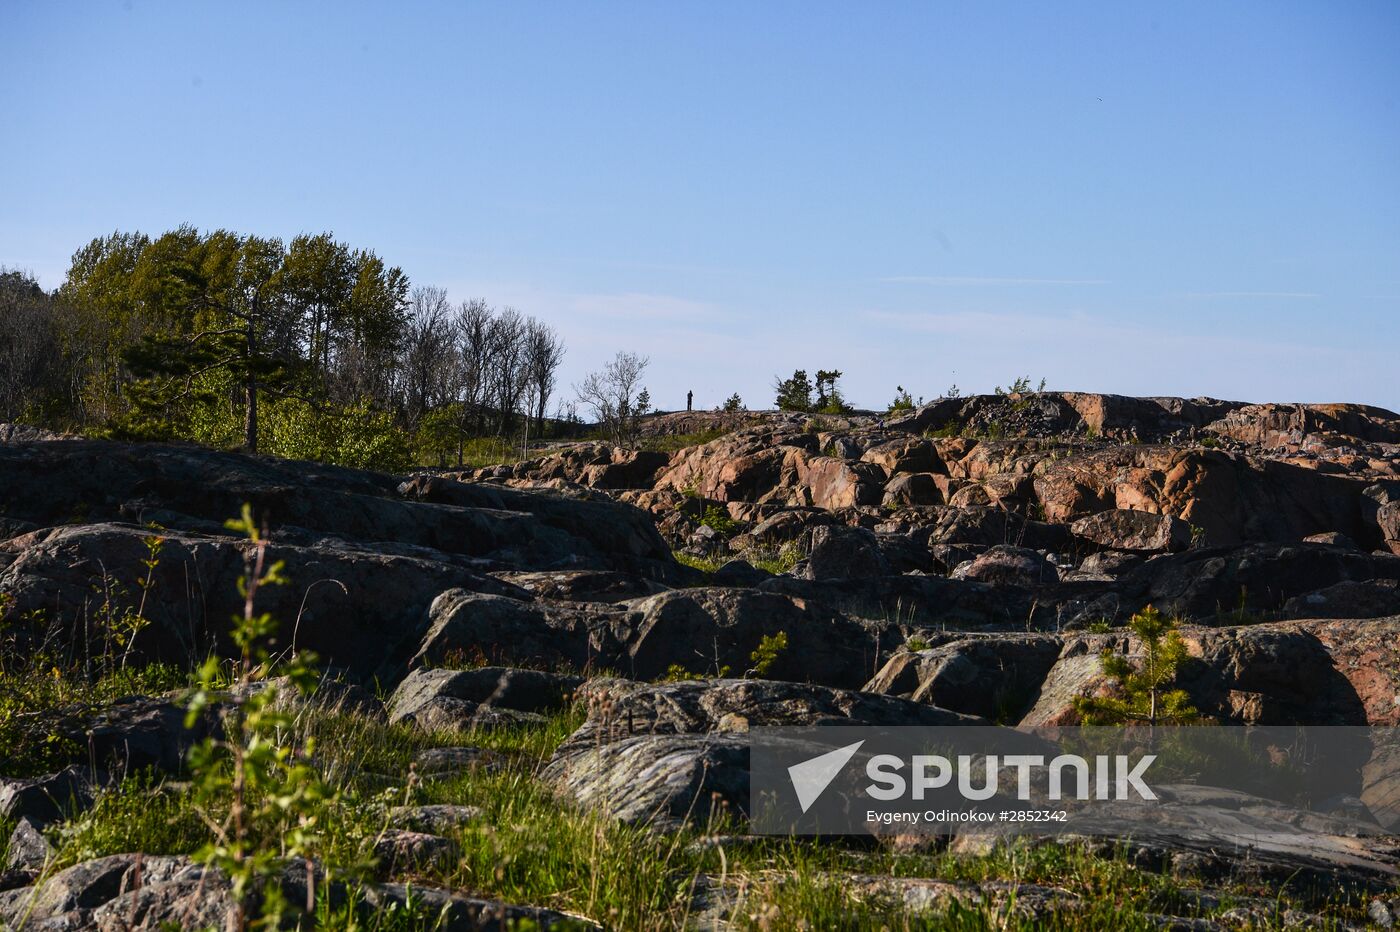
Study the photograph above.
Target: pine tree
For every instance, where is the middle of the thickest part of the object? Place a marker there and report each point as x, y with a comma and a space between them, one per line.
1143, 683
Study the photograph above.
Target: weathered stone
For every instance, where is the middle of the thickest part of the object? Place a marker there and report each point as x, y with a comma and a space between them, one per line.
1374, 598
1122, 529
996, 678
499, 687
29, 850
48, 798
1109, 564
1201, 584
455, 912
840, 552
457, 759
1010, 566
618, 709
353, 607
835, 483
706, 631
918, 488
788, 526
739, 573
466, 625
660, 780
905, 455
400, 849
436, 819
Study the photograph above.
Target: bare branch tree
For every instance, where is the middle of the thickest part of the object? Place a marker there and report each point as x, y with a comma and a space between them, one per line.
544, 352
506, 339
427, 359
614, 395
473, 326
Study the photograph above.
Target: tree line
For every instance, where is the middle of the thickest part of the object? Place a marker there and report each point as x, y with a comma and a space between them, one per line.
309, 348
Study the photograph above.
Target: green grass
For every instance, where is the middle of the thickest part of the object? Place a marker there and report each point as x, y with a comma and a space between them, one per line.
669, 443
703, 564
32, 698
530, 846
776, 562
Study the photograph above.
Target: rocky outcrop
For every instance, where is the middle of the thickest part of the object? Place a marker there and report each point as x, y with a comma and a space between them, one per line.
145, 893
1301, 672
352, 605
192, 489
1141, 531
480, 697
668, 753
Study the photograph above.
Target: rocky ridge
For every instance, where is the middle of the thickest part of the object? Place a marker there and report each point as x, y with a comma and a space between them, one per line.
967, 561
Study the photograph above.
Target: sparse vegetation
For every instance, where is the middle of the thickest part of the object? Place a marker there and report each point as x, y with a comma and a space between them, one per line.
770, 648
903, 401
1144, 683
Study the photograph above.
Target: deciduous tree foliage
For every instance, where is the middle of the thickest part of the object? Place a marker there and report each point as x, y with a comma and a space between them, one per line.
234, 339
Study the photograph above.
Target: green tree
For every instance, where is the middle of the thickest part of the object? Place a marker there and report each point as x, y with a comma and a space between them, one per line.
733, 403
220, 299
106, 319
903, 401
826, 388
794, 394
1143, 683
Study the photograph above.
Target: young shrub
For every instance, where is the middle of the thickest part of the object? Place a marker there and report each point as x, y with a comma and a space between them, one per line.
770, 647
1144, 684
261, 799
903, 401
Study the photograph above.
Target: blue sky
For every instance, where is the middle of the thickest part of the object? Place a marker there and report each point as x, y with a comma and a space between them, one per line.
1185, 198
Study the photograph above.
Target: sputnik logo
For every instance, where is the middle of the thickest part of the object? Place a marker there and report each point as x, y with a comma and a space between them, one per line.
811, 777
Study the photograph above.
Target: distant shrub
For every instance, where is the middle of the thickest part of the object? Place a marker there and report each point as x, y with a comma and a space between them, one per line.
903, 401
717, 519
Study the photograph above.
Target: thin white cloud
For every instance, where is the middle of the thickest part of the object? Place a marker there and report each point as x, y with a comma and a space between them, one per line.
1252, 294
972, 280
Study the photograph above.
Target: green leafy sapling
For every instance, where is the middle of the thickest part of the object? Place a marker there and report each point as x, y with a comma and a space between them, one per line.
1145, 683
770, 648
259, 796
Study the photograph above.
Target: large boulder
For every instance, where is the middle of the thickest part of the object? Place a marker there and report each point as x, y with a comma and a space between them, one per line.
1010, 566
1232, 498
353, 606
904, 455
1124, 529
841, 552
889, 603
996, 678
1309, 673
702, 631
831, 483
1217, 582
461, 697
659, 780
619, 709
917, 488
707, 631
663, 754
750, 465
465, 626
1381, 507
1372, 598
196, 489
